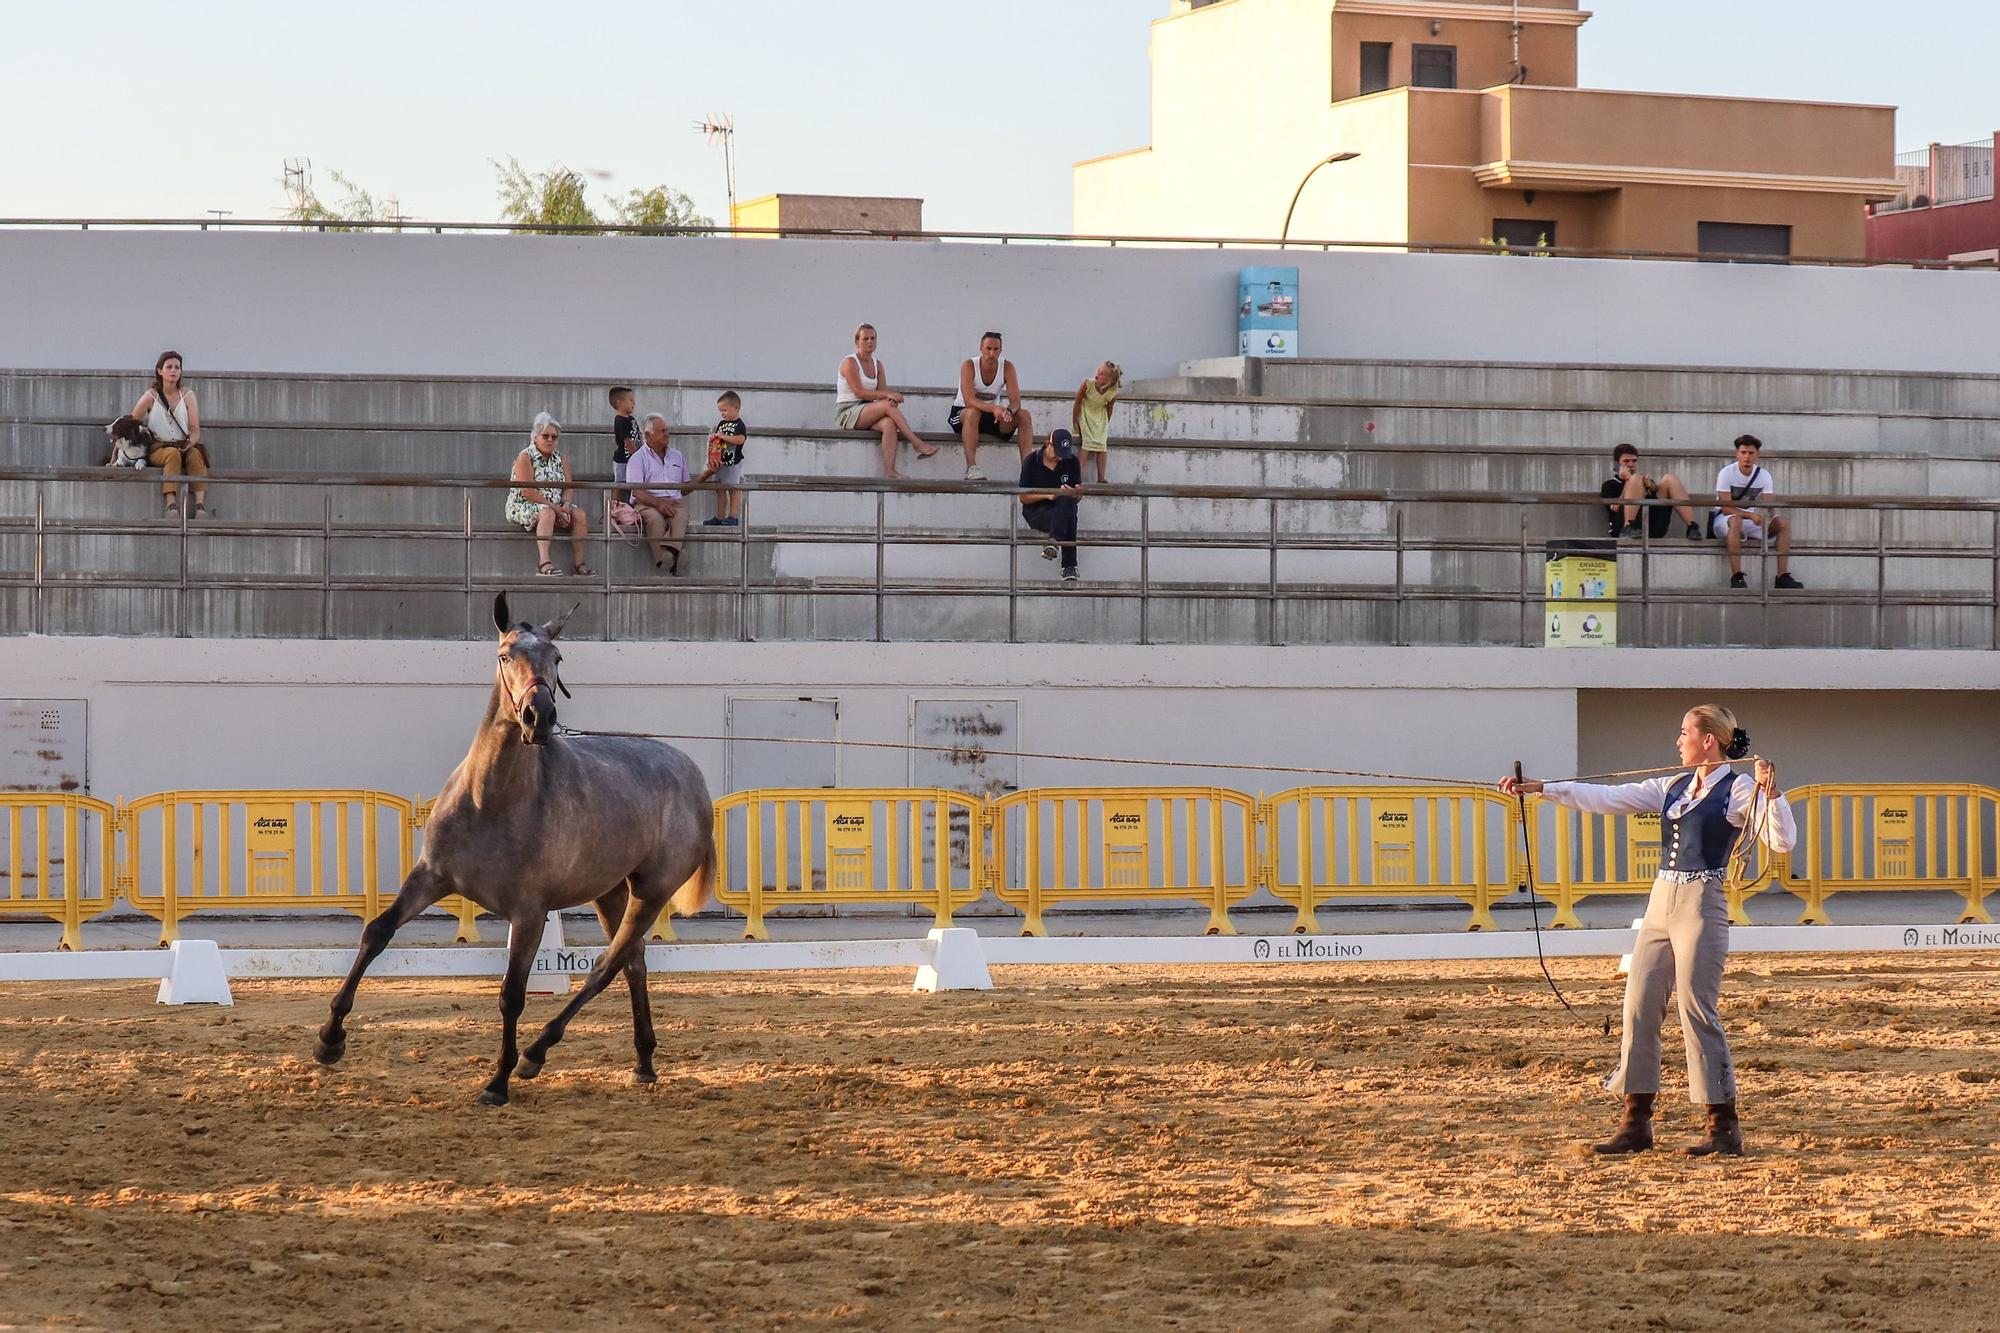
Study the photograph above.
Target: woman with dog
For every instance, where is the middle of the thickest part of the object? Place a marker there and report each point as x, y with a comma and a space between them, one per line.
169, 411
1684, 940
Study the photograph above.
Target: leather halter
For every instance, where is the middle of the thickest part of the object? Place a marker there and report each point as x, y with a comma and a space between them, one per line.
515, 701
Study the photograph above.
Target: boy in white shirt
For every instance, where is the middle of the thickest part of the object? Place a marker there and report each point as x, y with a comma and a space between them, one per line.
1738, 515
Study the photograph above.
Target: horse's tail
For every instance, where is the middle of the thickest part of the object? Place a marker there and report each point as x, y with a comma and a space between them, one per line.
692, 896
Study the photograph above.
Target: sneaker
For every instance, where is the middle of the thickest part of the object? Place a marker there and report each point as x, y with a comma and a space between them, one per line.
717, 522
1069, 576
1694, 532
1786, 581
1630, 530
732, 522
974, 474
1738, 581
1048, 553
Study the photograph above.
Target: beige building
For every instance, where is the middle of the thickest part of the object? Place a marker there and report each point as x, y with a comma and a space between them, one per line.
830, 212
1470, 129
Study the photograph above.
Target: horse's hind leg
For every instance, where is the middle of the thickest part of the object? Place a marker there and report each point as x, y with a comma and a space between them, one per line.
627, 944
523, 943
610, 909
423, 888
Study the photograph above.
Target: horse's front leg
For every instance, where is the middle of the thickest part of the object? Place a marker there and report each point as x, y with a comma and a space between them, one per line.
422, 889
523, 942
627, 943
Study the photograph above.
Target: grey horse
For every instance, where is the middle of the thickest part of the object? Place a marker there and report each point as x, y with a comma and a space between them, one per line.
532, 822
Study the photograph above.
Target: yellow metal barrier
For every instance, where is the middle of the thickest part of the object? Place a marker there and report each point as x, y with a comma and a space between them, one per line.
55, 863
823, 846
1327, 843
1123, 844
194, 851
1597, 855
1890, 836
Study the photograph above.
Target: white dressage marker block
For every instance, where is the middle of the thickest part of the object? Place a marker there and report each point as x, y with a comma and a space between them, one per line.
546, 979
195, 975
1625, 959
957, 962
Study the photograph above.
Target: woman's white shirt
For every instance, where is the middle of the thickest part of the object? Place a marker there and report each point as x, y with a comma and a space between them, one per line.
842, 393
164, 421
1778, 831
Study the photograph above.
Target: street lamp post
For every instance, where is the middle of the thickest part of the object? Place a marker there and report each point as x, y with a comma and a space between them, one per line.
1323, 162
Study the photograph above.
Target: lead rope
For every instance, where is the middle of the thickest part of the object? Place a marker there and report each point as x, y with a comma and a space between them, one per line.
1535, 906
982, 752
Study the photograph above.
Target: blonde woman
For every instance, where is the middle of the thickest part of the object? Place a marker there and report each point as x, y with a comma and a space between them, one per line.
1090, 415
169, 411
540, 500
1684, 941
863, 400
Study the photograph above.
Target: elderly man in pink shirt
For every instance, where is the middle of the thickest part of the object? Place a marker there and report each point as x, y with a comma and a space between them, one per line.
656, 473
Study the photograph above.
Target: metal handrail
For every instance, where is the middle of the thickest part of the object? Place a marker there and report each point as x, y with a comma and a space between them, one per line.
1269, 589
991, 237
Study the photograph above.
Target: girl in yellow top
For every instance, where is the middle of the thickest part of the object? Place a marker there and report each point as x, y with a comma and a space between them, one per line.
1090, 415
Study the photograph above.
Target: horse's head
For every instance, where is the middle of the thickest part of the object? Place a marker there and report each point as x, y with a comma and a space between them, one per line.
529, 671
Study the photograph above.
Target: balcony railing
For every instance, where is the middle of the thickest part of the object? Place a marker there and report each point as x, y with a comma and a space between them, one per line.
1393, 568
1953, 173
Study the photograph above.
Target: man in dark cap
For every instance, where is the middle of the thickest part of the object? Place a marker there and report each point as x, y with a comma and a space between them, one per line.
1051, 481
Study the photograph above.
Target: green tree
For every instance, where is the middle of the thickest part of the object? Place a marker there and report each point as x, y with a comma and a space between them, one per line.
543, 199
662, 207
356, 205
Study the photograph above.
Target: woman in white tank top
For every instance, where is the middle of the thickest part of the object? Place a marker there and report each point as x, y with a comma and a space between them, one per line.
863, 400
169, 411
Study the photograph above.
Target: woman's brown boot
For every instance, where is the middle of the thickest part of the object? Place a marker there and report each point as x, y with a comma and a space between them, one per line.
1725, 1133
1635, 1131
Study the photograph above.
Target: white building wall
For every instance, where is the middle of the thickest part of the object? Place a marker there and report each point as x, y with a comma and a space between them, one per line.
178, 714
616, 307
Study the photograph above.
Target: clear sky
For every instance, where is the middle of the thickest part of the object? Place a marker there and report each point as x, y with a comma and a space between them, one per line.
114, 108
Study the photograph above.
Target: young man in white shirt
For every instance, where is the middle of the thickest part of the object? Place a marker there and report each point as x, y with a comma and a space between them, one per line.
1738, 515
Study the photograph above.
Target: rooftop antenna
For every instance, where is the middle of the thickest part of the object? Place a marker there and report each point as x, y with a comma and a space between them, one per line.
298, 183
1520, 70
723, 128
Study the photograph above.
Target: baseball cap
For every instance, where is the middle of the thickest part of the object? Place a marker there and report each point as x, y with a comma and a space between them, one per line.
1065, 445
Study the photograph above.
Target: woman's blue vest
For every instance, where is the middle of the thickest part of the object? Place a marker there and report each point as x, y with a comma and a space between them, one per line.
1700, 839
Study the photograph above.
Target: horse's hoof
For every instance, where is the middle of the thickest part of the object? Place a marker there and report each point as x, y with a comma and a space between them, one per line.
644, 1076
528, 1067
492, 1098
329, 1052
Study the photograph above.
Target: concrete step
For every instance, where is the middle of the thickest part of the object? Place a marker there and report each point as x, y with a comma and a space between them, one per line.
1630, 388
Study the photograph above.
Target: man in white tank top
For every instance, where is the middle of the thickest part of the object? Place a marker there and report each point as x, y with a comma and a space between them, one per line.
989, 404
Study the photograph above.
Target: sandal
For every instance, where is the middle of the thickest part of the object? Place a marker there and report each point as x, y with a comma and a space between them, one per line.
930, 453
547, 570
584, 570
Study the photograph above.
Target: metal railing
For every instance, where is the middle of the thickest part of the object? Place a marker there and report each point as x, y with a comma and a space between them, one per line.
1539, 526
1943, 173
439, 228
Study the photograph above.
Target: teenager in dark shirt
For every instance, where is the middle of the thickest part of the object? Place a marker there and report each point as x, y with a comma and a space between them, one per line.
1053, 479
624, 431
1628, 483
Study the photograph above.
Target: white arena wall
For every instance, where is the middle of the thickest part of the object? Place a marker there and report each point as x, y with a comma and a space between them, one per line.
393, 716
765, 310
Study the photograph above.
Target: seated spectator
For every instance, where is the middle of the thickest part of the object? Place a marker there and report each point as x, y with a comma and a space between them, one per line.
540, 500
989, 404
863, 400
1738, 488
1628, 483
1051, 481
169, 411
656, 473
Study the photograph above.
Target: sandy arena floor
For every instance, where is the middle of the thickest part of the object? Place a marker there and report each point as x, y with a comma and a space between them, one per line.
1083, 1149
